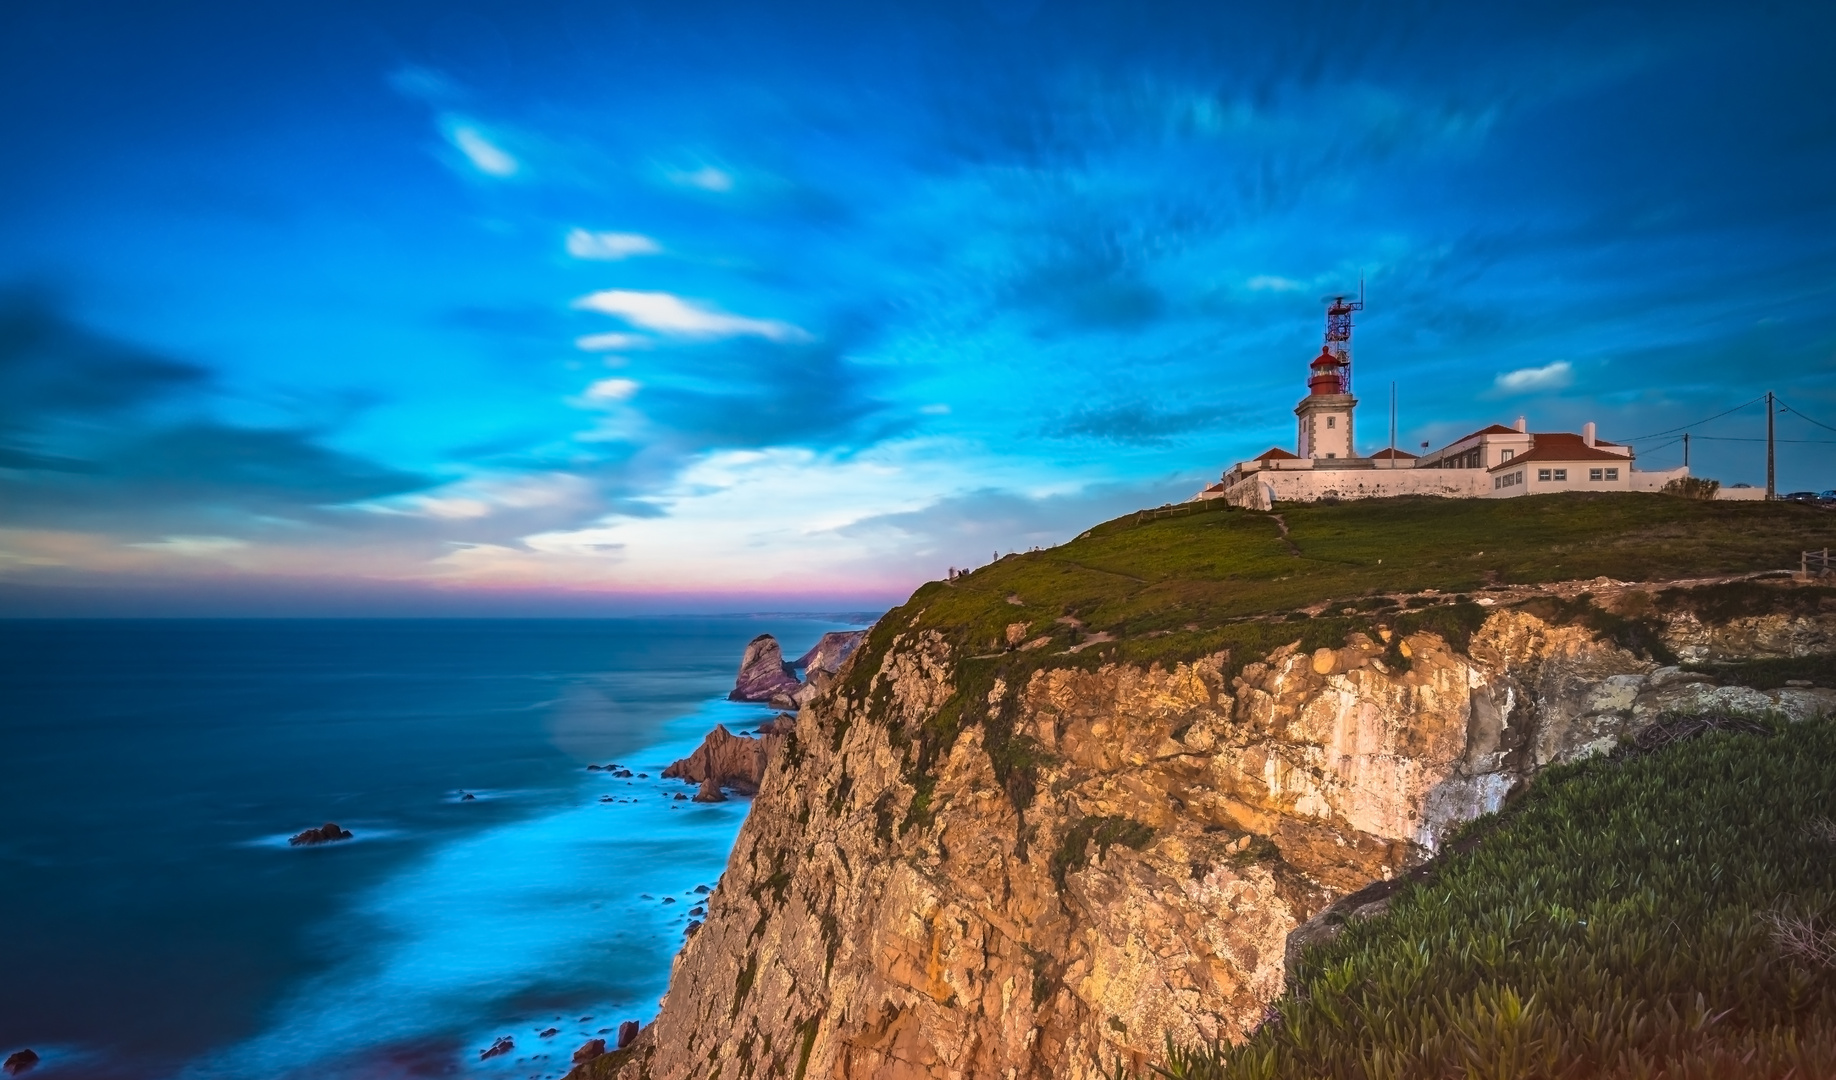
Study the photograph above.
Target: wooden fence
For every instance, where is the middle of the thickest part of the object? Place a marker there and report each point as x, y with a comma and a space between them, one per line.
1815, 562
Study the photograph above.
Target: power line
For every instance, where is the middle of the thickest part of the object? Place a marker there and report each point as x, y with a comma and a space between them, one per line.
1682, 427
1755, 438
1803, 417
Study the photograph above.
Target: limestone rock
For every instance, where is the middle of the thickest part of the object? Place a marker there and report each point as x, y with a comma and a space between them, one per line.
725, 760
627, 1031
763, 672
1142, 881
589, 1050
829, 652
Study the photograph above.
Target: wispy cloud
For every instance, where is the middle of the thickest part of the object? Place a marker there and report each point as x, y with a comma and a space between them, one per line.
611, 342
1553, 376
608, 390
486, 156
707, 178
194, 546
582, 244
667, 313
1273, 283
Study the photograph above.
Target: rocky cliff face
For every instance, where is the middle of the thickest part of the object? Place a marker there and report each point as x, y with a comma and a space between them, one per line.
1122, 857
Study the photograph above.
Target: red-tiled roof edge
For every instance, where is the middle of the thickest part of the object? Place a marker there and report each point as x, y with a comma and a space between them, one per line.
1578, 451
1386, 454
1275, 452
1495, 429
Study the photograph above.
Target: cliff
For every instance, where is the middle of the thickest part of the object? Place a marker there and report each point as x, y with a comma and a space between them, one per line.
1057, 812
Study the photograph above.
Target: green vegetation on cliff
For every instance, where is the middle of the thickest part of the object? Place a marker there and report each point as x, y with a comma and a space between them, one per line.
1665, 914
1187, 569
1204, 578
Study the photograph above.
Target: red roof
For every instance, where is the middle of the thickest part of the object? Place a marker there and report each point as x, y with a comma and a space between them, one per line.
1275, 453
1495, 429
1562, 446
1386, 454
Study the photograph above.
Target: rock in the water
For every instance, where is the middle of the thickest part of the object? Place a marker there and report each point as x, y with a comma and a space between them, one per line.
828, 653
710, 791
589, 1050
626, 1032
549, 1033
20, 1061
681, 797
502, 1046
324, 834
763, 672
729, 760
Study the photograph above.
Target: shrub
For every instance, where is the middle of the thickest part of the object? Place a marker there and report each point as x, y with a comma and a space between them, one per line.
1692, 487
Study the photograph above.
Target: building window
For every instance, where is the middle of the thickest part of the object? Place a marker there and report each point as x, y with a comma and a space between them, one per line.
1593, 474
1508, 455
1561, 474
1497, 482
1332, 421
1542, 474
1612, 474
1332, 455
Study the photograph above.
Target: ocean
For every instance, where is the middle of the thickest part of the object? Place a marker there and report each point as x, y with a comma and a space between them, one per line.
159, 925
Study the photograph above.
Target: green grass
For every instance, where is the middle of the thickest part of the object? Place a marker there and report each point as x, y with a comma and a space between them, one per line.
1665, 914
1171, 585
1196, 567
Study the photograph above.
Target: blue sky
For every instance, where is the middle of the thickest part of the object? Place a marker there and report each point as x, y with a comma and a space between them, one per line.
575, 308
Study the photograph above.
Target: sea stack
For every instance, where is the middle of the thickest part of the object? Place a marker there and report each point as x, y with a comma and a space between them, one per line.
763, 674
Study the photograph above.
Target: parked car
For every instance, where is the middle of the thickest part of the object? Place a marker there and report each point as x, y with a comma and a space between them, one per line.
1827, 498
1800, 496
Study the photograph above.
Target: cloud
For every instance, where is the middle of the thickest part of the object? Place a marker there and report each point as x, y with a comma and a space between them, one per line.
100, 435
971, 525
606, 390
1553, 376
613, 342
1136, 423
669, 314
194, 546
1272, 283
935, 410
582, 244
707, 178
487, 157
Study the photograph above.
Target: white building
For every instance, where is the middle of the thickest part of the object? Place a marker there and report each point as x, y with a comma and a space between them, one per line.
1496, 462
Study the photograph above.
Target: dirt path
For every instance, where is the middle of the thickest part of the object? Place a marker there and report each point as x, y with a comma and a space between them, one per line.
1293, 549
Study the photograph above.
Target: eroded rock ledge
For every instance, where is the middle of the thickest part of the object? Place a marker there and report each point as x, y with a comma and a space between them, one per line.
1122, 858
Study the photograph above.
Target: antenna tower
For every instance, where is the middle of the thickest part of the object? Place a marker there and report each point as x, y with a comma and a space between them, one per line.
1339, 332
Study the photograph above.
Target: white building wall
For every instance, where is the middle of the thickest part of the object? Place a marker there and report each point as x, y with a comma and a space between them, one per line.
1256, 490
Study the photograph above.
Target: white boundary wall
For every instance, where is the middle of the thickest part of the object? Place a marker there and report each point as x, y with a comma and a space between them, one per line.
1259, 490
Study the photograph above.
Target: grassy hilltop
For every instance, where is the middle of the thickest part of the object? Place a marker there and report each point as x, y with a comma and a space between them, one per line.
1195, 567
1193, 580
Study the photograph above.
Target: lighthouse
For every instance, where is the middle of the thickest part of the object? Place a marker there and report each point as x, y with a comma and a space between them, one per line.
1325, 414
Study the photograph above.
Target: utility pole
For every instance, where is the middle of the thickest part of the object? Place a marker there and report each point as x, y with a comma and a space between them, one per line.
1686, 449
1771, 486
